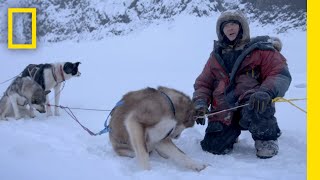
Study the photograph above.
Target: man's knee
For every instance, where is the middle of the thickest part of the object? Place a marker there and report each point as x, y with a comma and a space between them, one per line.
219, 138
265, 129
262, 126
248, 115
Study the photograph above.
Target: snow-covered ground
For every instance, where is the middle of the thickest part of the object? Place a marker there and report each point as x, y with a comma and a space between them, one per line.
170, 54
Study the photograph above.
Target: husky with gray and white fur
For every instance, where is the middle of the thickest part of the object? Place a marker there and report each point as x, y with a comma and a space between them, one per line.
21, 92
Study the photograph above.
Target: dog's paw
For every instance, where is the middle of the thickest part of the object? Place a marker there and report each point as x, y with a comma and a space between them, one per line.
49, 113
57, 113
197, 166
31, 114
146, 168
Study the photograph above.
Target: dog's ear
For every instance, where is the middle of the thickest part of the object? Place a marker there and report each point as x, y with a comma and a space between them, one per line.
77, 64
47, 92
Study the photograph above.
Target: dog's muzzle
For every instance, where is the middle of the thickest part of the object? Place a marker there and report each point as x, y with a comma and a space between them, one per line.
42, 111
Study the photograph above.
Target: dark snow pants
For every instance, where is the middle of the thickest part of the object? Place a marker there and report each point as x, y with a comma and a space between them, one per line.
219, 138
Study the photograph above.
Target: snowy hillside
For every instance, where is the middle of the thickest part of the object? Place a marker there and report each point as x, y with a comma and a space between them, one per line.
170, 54
82, 20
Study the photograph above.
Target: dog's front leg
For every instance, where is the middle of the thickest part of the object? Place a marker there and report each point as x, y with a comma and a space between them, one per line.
31, 112
137, 140
23, 102
13, 100
57, 91
168, 149
48, 108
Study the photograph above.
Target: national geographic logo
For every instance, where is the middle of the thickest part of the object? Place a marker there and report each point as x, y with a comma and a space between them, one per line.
33, 44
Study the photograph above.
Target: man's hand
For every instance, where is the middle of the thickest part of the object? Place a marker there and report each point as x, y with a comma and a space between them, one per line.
259, 101
200, 115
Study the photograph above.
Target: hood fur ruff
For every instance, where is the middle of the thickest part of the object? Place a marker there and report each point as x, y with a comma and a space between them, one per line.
233, 15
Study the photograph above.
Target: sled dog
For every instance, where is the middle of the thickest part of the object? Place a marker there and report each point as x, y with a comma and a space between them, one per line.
50, 76
21, 92
148, 120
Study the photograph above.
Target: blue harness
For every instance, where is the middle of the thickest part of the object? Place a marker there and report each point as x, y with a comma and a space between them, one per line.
106, 126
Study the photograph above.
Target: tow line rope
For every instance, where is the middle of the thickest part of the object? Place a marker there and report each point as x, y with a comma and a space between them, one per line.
277, 99
107, 128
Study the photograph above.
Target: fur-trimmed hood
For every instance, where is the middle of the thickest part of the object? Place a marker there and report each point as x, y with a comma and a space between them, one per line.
275, 42
234, 15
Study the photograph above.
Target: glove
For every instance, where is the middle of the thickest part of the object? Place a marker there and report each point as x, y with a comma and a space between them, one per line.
259, 101
201, 112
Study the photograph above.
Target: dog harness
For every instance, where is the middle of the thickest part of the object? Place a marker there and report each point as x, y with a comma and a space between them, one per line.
36, 73
106, 126
173, 109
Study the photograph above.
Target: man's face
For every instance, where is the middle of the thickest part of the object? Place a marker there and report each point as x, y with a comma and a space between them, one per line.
231, 30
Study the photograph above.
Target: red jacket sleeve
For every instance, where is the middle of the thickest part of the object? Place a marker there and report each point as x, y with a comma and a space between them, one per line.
204, 84
275, 74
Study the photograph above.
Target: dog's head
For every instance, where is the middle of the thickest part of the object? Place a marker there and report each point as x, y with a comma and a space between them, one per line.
186, 122
71, 69
184, 114
38, 100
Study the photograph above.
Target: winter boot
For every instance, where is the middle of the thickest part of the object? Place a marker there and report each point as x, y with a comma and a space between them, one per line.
266, 149
219, 138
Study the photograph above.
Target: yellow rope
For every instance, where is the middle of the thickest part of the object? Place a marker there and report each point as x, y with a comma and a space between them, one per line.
281, 99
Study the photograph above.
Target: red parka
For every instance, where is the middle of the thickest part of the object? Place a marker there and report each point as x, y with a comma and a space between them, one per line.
260, 67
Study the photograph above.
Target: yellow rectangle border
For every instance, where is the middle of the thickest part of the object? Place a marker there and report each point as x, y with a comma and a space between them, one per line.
33, 12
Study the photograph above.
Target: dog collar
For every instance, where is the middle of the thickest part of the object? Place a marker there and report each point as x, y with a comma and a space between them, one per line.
170, 102
61, 72
54, 74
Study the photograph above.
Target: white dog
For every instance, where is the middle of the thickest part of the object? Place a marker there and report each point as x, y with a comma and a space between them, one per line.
51, 76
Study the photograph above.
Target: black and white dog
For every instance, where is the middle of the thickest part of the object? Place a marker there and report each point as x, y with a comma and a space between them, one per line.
50, 76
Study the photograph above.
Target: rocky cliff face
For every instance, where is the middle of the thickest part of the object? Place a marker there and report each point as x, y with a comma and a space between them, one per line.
287, 14
59, 20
